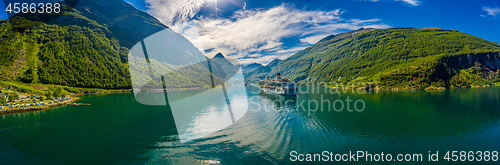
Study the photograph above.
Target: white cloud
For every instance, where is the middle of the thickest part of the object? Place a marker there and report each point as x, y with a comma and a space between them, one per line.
411, 2
492, 11
190, 31
256, 35
313, 39
171, 12
259, 31
264, 60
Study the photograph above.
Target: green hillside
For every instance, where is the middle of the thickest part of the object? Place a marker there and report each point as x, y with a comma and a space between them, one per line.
86, 47
403, 58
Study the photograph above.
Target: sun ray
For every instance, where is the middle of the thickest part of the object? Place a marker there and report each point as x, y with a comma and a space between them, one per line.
215, 8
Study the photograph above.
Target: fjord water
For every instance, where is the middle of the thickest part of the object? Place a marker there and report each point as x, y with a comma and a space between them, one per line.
116, 129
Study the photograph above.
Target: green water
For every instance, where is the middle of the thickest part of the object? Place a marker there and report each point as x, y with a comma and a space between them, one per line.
116, 129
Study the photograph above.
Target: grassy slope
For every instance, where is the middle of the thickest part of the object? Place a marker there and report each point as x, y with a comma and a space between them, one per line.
65, 55
40, 89
395, 58
87, 47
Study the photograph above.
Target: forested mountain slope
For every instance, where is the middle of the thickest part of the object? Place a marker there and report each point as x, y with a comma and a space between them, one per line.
395, 58
86, 47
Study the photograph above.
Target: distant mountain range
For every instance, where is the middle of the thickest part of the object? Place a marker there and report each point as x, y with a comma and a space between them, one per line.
274, 62
263, 71
403, 58
251, 67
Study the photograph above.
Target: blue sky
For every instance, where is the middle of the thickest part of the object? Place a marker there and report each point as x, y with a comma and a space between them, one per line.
261, 30
251, 24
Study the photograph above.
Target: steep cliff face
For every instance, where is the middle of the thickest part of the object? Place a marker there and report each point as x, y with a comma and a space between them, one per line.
465, 70
128, 24
472, 69
489, 60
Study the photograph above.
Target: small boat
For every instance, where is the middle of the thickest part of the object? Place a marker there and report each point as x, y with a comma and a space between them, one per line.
78, 104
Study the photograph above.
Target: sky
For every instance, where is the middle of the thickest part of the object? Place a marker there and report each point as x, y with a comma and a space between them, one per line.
262, 30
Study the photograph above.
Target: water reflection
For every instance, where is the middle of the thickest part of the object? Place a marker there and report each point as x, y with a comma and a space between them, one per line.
127, 132
206, 113
393, 122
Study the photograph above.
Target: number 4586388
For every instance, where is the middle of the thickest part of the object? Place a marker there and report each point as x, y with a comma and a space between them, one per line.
33, 8
471, 156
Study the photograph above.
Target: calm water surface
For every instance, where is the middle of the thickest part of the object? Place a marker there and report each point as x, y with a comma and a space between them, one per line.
116, 129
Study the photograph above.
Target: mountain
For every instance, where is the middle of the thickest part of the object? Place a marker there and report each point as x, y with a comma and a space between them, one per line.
127, 24
219, 58
219, 55
259, 74
85, 47
403, 58
274, 62
230, 68
262, 72
251, 67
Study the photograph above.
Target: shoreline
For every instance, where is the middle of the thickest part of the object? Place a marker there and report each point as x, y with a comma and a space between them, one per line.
410, 89
45, 107
104, 92
396, 89
174, 89
73, 99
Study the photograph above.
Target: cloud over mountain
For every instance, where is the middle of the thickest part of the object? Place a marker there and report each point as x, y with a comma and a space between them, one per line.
252, 35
